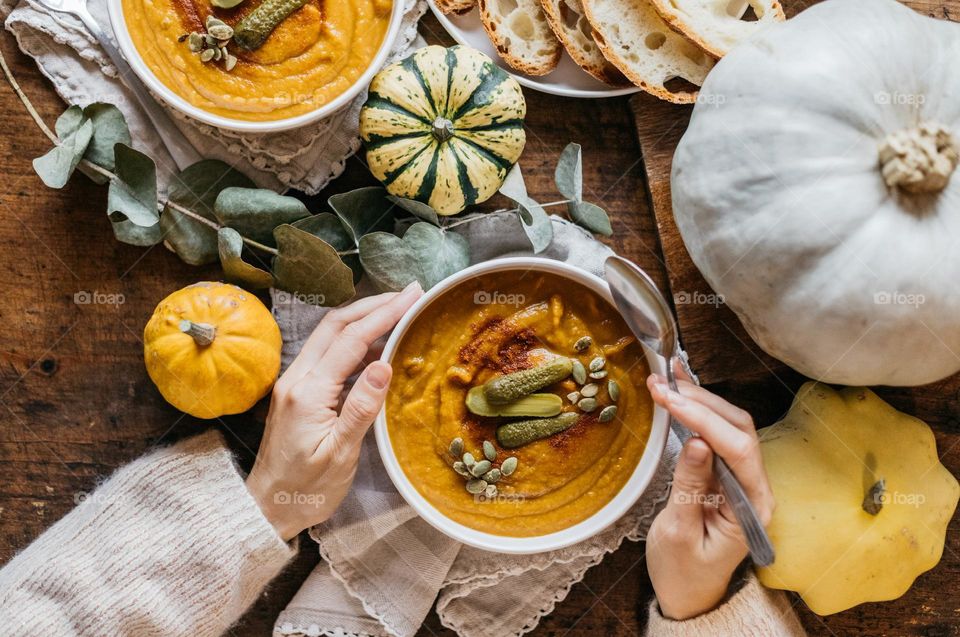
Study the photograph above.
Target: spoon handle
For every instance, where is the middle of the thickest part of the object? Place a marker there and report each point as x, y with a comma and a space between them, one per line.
761, 550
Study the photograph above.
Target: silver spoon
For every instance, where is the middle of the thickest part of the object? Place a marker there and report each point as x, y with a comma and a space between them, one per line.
179, 147
649, 317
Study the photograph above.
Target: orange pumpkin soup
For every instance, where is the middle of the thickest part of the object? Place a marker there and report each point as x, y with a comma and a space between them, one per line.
492, 325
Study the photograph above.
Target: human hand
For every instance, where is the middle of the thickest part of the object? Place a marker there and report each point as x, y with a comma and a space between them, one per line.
695, 544
309, 452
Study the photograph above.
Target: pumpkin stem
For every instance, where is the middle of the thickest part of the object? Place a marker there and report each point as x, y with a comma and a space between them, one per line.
442, 129
202, 333
919, 159
873, 500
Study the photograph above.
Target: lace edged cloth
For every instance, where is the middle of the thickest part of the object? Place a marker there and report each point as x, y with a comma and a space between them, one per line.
305, 159
384, 566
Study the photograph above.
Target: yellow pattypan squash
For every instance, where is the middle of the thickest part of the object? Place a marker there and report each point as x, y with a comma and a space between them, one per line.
863, 502
212, 349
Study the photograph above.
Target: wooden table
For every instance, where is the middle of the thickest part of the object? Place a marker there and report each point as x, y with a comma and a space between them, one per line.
76, 402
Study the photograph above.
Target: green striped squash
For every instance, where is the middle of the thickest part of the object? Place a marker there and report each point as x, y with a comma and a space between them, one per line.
443, 126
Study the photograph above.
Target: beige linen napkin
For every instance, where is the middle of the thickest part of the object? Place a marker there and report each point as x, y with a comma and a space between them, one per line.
305, 159
384, 567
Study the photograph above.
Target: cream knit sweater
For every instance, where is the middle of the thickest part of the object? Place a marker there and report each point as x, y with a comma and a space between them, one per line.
173, 544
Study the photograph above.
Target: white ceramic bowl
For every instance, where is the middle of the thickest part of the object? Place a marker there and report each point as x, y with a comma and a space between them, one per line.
610, 513
129, 50
568, 79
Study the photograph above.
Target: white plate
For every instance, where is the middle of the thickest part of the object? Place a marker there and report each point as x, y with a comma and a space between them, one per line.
568, 79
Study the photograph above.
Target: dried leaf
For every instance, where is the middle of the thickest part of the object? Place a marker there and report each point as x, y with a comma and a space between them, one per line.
58, 164
535, 221
328, 227
109, 129
388, 261
196, 188
255, 212
439, 253
417, 209
133, 194
364, 210
235, 269
590, 216
309, 268
569, 173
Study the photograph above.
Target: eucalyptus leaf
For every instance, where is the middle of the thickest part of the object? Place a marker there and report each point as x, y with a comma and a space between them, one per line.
328, 227
569, 173
196, 188
417, 209
133, 193
255, 212
127, 232
388, 261
590, 216
235, 269
535, 221
439, 253
309, 268
363, 210
109, 129
58, 164
69, 121
537, 225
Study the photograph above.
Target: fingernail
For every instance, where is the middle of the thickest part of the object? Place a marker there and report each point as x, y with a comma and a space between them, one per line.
414, 285
674, 398
658, 379
662, 389
378, 376
695, 455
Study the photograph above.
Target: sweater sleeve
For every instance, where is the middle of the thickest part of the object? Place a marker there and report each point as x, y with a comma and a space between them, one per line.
172, 544
753, 611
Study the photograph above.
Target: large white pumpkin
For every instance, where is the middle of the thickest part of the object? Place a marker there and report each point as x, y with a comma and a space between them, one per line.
813, 190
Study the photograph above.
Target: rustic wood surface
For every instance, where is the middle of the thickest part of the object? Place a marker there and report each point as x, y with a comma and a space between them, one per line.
77, 403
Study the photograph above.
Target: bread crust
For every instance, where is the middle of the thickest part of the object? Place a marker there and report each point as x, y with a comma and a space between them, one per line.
676, 23
604, 71
490, 25
458, 7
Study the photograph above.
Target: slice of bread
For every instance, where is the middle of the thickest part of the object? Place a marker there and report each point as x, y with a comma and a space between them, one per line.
569, 23
632, 35
717, 26
455, 6
521, 34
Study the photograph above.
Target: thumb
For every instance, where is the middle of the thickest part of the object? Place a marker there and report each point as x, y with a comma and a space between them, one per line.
692, 481
363, 402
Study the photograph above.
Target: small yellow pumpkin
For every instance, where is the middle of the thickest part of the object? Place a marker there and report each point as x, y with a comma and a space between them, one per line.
863, 502
212, 349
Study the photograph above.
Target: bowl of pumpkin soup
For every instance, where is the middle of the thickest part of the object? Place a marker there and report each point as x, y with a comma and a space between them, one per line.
518, 419
256, 65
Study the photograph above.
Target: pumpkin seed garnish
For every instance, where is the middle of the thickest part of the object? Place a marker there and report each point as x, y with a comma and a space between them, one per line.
587, 404
469, 460
489, 451
456, 447
589, 391
476, 486
599, 374
573, 397
583, 344
490, 491
212, 45
597, 364
613, 388
461, 468
508, 466
481, 468
206, 55
579, 372
492, 476
608, 413
195, 42
221, 31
